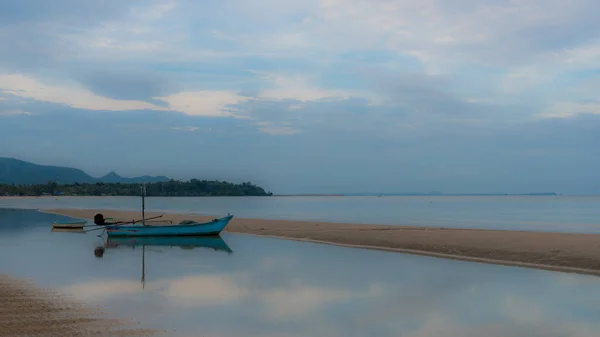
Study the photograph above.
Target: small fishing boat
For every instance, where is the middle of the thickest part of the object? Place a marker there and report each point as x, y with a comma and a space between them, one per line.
69, 225
188, 228
184, 228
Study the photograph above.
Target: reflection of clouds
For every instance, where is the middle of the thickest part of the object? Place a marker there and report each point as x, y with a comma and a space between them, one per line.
577, 279
437, 326
275, 262
301, 300
412, 300
522, 310
102, 289
281, 303
199, 290
494, 314
203, 290
287, 296
298, 301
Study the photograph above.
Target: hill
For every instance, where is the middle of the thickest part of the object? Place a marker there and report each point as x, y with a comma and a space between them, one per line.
171, 188
19, 172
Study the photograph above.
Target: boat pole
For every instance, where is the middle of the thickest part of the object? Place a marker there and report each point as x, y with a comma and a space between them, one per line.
143, 204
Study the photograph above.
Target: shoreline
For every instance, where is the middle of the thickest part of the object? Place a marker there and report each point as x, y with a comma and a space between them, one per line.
565, 252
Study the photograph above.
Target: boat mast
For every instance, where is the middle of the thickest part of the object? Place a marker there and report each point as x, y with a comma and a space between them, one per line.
143, 203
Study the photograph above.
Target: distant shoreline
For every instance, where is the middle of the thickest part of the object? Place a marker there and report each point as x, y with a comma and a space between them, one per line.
300, 195
567, 252
417, 195
308, 195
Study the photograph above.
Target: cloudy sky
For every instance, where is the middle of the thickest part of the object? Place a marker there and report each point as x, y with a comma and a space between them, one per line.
309, 96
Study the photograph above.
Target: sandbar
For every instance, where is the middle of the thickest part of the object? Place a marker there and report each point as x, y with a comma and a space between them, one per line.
567, 252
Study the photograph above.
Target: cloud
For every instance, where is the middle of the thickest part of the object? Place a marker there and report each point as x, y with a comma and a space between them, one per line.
187, 128
71, 95
156, 11
571, 109
203, 103
121, 92
278, 130
440, 33
15, 112
37, 34
298, 88
71, 11
274, 129
123, 84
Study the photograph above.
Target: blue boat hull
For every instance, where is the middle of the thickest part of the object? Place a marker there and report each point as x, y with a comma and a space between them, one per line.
211, 228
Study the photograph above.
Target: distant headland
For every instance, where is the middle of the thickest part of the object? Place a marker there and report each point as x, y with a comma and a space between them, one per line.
19, 172
20, 178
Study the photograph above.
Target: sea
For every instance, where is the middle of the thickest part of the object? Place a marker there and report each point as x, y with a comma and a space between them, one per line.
579, 214
246, 286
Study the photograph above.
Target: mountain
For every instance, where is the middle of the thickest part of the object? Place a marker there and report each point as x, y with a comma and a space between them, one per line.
14, 171
112, 177
18, 172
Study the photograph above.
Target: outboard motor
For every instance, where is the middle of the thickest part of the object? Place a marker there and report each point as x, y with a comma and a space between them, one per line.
99, 219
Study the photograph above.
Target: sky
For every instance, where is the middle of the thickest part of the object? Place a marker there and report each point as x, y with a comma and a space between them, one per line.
315, 96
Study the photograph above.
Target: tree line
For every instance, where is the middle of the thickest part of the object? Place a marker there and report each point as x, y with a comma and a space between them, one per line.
171, 188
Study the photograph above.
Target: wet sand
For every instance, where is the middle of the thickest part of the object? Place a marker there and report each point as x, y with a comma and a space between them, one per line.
579, 253
26, 310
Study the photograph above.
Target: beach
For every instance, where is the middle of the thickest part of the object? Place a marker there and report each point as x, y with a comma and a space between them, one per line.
567, 252
27, 310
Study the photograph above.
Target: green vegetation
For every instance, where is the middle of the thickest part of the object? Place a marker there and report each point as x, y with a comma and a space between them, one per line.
171, 188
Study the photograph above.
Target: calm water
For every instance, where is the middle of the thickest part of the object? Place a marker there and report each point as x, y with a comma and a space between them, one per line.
552, 213
270, 287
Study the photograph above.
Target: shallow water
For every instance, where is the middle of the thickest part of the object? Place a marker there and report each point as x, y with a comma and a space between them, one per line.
537, 213
271, 287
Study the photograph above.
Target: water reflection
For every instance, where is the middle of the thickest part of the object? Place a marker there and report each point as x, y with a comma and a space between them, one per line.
214, 242
273, 287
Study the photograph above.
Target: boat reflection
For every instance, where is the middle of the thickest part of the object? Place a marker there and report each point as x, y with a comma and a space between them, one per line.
184, 242
68, 230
